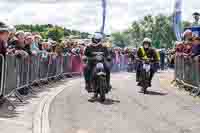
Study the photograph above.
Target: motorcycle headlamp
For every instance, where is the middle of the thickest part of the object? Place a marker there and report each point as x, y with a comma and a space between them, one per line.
99, 66
99, 58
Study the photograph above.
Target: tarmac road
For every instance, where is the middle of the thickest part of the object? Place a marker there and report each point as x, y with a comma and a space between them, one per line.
126, 110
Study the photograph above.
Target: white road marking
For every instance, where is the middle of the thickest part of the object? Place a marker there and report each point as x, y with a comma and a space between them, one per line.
18, 122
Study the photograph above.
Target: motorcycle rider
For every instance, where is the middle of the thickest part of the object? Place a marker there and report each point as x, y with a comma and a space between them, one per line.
146, 52
95, 46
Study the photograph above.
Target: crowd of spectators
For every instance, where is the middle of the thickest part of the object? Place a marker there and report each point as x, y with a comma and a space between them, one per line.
23, 44
190, 47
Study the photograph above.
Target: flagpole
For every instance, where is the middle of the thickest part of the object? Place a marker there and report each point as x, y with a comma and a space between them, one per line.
103, 16
177, 19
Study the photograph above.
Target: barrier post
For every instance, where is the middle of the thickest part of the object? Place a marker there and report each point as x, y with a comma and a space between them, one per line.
2, 74
196, 90
175, 68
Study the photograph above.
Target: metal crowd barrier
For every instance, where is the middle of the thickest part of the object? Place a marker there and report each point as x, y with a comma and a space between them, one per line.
187, 72
67, 64
77, 66
121, 64
21, 72
43, 68
11, 78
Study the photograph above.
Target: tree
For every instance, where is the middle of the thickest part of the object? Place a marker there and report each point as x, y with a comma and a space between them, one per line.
120, 39
49, 30
55, 33
136, 33
158, 28
186, 24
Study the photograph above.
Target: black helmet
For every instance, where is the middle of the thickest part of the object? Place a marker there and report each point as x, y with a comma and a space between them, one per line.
97, 38
196, 14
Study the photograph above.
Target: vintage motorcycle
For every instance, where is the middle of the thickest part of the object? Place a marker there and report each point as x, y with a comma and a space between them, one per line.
144, 79
98, 82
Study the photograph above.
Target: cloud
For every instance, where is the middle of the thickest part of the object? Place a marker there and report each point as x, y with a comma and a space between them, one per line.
85, 15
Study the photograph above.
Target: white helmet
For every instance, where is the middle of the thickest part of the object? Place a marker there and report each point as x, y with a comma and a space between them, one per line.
148, 40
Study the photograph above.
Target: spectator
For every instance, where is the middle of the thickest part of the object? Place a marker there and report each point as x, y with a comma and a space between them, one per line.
59, 50
4, 35
68, 47
28, 34
187, 36
53, 47
171, 58
82, 46
187, 44
19, 42
162, 59
179, 47
11, 35
187, 47
28, 43
35, 45
44, 47
196, 47
17, 46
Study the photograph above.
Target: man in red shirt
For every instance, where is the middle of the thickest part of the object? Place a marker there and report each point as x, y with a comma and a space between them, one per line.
187, 35
179, 47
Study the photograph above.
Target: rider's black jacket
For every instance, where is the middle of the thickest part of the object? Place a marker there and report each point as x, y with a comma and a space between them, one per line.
150, 52
90, 50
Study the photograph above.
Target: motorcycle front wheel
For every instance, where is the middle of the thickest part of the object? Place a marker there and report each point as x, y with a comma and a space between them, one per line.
101, 87
144, 89
145, 81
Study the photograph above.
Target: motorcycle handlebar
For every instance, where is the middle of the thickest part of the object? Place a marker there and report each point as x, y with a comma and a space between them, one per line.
94, 59
146, 60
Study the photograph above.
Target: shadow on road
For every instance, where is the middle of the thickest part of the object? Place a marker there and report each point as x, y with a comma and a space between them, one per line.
110, 102
6, 113
106, 102
155, 93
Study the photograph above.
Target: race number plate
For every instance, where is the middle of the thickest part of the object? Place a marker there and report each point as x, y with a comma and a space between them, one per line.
146, 67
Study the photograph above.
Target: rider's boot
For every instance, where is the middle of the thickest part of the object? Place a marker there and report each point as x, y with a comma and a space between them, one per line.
150, 84
151, 77
95, 96
109, 84
88, 86
137, 75
139, 84
108, 81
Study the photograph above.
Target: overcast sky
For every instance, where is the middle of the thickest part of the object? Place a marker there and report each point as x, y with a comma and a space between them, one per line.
85, 15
